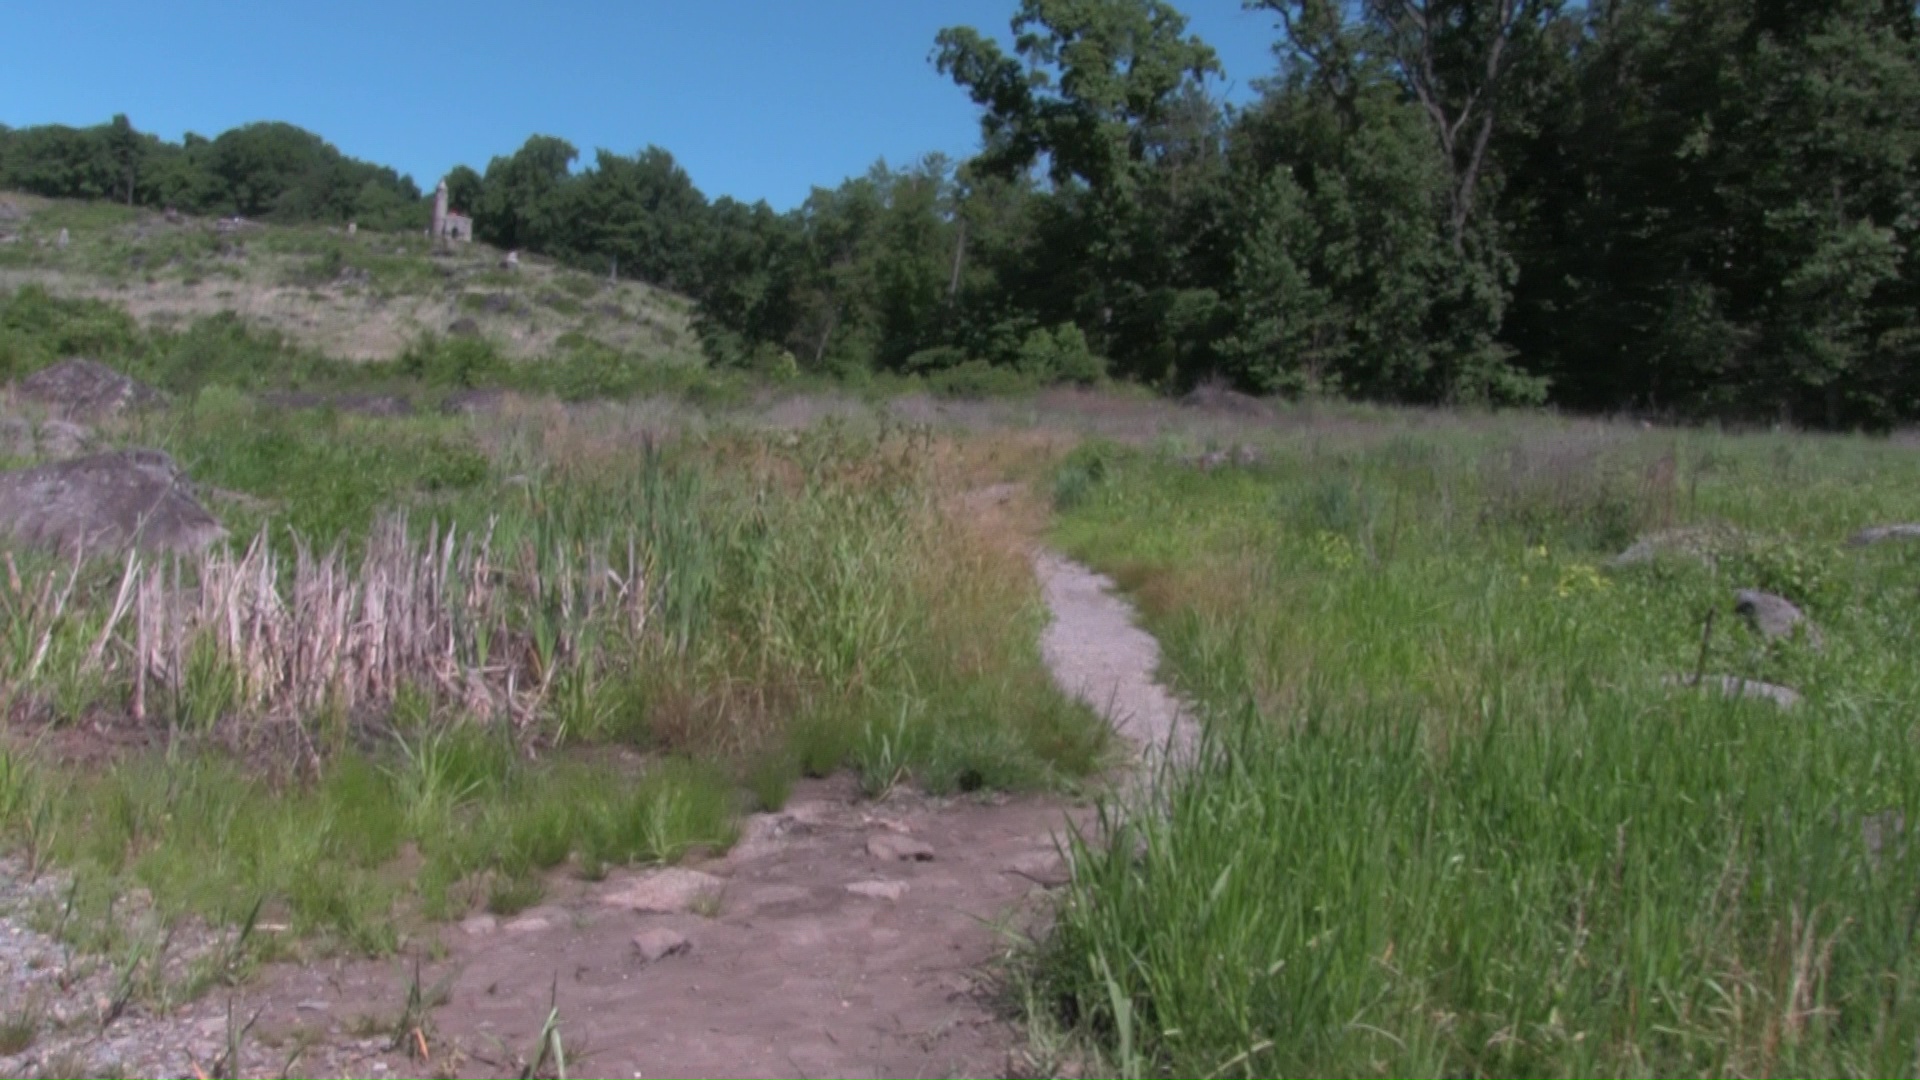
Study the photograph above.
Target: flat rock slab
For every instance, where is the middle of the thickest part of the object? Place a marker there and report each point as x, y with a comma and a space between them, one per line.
892, 847
668, 891
1736, 687
879, 890
655, 945
109, 500
87, 390
1880, 534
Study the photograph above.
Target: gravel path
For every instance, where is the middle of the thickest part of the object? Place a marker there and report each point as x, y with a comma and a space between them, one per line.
1098, 654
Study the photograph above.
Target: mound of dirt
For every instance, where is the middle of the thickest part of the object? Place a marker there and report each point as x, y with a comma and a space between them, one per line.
1218, 397
86, 390
106, 500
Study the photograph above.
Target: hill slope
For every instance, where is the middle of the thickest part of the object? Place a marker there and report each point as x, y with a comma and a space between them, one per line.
361, 297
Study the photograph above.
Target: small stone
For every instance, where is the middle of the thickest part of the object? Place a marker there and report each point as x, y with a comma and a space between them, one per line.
479, 924
665, 891
659, 943
892, 847
879, 890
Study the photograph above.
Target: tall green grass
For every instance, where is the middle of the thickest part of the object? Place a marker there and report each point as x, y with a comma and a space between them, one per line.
740, 608
1455, 822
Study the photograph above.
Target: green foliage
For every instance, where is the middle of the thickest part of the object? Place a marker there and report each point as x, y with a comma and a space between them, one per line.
263, 170
1449, 792
463, 363
1061, 355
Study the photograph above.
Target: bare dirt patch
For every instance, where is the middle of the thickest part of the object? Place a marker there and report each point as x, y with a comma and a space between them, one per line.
844, 938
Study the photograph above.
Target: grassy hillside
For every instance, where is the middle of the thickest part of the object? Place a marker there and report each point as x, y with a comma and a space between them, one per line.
362, 297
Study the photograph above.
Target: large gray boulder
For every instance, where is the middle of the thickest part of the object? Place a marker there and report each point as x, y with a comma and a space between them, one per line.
86, 390
108, 500
1771, 616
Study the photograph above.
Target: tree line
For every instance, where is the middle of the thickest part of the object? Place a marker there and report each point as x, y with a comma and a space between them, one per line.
271, 171
1687, 207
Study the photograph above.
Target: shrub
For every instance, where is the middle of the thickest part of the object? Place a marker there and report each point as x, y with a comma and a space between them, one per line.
466, 363
978, 379
1061, 355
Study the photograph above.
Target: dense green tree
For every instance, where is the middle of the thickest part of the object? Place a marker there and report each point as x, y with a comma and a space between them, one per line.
523, 202
1105, 91
641, 214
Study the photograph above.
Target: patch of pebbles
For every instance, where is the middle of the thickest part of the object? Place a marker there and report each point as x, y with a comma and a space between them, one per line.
59, 1000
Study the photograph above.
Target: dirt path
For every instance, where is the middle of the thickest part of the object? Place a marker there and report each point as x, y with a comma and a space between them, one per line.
840, 938
1098, 654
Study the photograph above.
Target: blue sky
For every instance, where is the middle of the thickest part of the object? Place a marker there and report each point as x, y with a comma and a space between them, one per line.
756, 98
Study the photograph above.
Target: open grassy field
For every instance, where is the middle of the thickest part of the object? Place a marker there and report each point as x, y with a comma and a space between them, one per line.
1458, 819
1460, 810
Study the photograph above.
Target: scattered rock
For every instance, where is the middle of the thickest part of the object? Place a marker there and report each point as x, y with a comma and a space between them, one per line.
879, 890
1735, 686
479, 925
1704, 542
659, 943
111, 499
666, 892
87, 390
1773, 616
463, 327
1880, 534
892, 847
10, 212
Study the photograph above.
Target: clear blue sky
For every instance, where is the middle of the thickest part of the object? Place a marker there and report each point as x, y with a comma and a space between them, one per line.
756, 98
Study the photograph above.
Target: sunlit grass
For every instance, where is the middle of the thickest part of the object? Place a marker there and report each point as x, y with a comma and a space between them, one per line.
1459, 823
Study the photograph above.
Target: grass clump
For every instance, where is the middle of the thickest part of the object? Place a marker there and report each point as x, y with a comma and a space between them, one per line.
1454, 820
